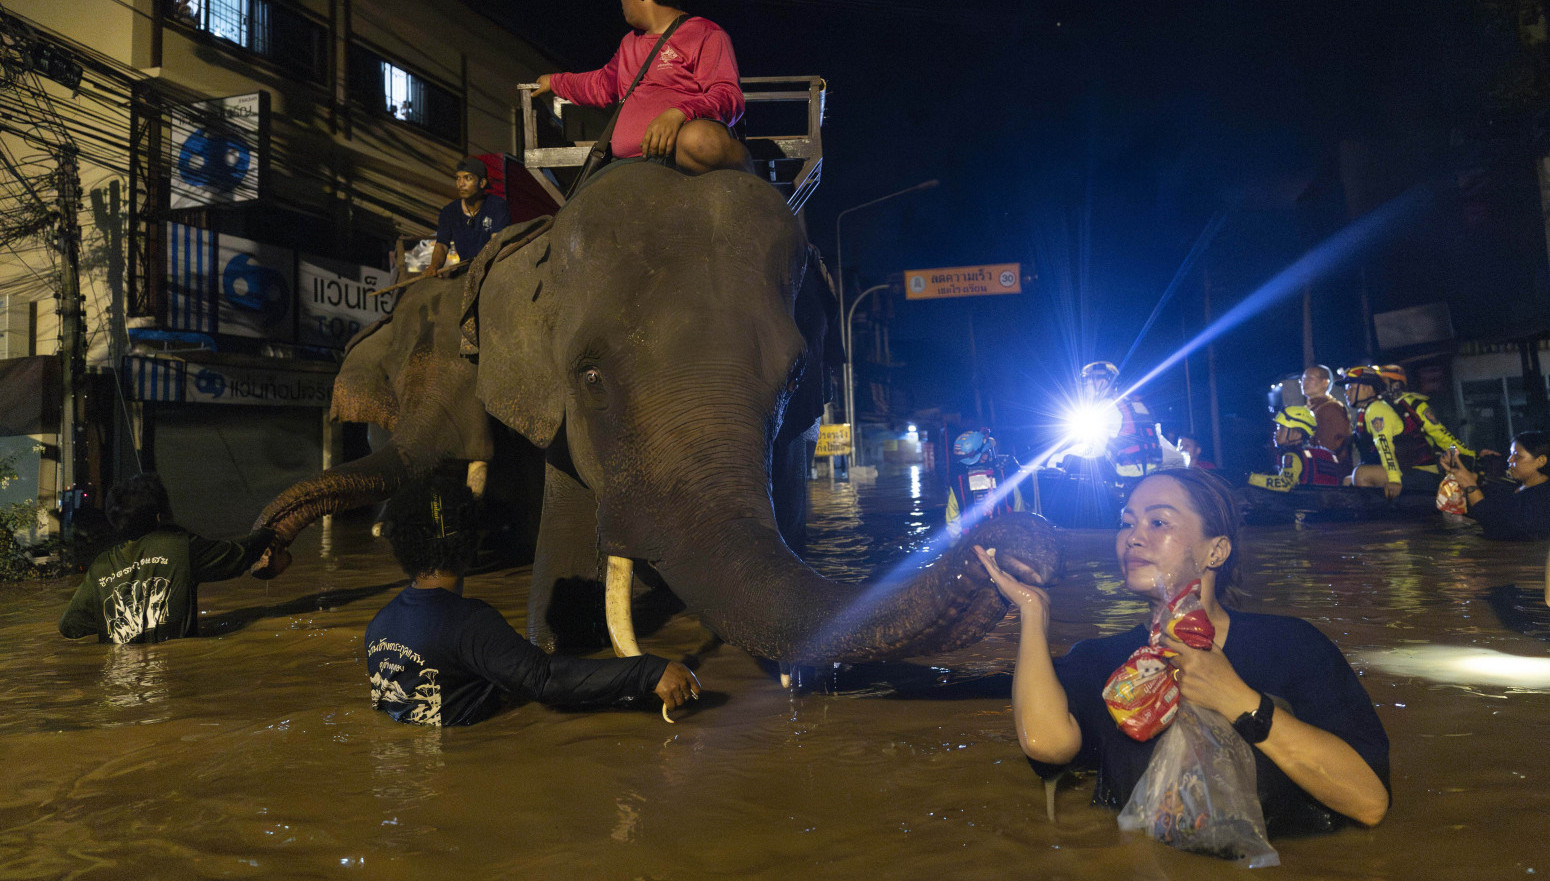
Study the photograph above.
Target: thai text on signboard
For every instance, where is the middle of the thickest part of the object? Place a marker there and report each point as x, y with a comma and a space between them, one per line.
963, 281
337, 299
833, 440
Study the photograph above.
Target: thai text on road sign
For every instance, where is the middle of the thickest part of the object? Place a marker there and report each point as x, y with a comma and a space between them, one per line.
963, 281
833, 440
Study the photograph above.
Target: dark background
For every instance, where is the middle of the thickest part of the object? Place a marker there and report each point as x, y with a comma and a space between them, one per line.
1102, 144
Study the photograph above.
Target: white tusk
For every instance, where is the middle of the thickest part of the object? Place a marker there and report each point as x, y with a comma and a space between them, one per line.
621, 627
478, 473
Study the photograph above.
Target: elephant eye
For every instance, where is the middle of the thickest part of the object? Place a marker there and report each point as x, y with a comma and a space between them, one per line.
591, 376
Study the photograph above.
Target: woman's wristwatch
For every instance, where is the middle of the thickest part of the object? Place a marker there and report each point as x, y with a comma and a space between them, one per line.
1473, 488
1255, 727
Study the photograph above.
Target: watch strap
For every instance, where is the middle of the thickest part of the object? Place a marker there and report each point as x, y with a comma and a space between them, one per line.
1255, 727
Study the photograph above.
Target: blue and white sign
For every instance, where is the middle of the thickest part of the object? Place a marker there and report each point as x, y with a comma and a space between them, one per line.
225, 384
218, 150
190, 276
336, 299
255, 289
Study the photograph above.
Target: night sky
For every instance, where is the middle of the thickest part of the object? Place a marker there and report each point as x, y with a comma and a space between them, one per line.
1101, 143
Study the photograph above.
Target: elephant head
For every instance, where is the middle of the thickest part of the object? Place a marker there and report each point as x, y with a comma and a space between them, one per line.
659, 341
404, 374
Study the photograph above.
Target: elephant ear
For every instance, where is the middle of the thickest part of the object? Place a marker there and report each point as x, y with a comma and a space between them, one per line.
363, 390
507, 327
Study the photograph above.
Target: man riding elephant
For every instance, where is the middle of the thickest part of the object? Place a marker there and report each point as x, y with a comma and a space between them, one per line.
663, 342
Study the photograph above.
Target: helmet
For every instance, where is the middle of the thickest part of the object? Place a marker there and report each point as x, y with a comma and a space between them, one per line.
1394, 376
1101, 370
972, 446
1295, 417
1363, 374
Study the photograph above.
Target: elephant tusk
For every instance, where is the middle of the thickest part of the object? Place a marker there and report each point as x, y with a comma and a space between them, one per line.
621, 627
478, 473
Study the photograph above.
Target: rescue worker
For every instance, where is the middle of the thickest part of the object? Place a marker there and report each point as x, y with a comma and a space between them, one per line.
1399, 442
1303, 462
977, 473
1134, 446
1332, 424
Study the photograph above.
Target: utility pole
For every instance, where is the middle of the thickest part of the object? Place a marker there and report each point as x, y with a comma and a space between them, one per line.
72, 340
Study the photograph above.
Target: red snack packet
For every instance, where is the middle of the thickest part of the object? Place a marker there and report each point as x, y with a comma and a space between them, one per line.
1141, 694
1450, 496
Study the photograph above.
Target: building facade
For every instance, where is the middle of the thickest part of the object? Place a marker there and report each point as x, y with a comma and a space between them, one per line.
203, 198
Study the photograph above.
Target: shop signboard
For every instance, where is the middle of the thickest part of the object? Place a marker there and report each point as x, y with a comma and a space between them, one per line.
255, 289
335, 300
227, 384
219, 150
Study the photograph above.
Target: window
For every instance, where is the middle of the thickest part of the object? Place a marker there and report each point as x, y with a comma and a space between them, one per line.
294, 42
386, 88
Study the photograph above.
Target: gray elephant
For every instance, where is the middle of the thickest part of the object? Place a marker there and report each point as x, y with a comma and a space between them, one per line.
663, 342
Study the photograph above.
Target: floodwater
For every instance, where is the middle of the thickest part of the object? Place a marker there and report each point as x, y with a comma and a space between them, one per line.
255, 754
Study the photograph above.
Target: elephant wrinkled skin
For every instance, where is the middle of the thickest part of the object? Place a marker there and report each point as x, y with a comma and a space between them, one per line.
664, 342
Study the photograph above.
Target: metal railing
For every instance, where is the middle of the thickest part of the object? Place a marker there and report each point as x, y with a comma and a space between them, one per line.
791, 162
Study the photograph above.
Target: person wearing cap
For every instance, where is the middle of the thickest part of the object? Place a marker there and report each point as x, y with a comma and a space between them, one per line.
436, 657
978, 479
1303, 462
1331, 420
468, 222
1399, 446
682, 111
1134, 446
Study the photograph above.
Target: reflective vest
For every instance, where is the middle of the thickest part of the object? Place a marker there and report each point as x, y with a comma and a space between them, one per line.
1320, 467
1411, 447
1136, 448
1309, 465
978, 481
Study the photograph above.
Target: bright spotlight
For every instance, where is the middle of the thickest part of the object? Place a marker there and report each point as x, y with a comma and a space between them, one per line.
1088, 427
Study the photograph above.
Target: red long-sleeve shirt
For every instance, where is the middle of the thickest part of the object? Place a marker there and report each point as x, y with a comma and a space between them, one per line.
695, 72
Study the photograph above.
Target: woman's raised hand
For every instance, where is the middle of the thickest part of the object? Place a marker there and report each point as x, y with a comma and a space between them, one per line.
1017, 586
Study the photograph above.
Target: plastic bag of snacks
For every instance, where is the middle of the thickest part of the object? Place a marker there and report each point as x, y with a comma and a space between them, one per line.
1198, 792
1450, 496
1142, 695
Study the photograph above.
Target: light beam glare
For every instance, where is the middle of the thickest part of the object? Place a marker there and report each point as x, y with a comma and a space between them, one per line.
1316, 263
1327, 256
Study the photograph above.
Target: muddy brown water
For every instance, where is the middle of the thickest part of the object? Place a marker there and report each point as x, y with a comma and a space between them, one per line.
255, 754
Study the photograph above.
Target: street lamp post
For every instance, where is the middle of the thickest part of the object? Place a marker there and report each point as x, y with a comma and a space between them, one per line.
839, 274
850, 371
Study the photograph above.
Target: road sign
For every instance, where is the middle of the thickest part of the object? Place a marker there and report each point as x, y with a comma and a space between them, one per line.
963, 281
833, 440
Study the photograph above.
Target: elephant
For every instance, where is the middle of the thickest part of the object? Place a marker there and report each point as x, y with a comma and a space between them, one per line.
663, 339
664, 342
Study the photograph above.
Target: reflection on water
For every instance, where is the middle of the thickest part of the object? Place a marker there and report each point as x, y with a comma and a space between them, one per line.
255, 753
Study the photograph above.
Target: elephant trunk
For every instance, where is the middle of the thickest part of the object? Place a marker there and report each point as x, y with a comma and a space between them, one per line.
363, 481
755, 593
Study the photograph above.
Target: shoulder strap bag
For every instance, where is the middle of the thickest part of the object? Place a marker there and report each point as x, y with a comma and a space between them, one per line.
599, 152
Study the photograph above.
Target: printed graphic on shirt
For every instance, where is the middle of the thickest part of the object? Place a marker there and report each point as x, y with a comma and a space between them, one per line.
392, 661
666, 59
134, 607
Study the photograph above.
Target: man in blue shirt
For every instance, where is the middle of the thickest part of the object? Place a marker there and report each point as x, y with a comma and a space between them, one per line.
468, 222
436, 657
